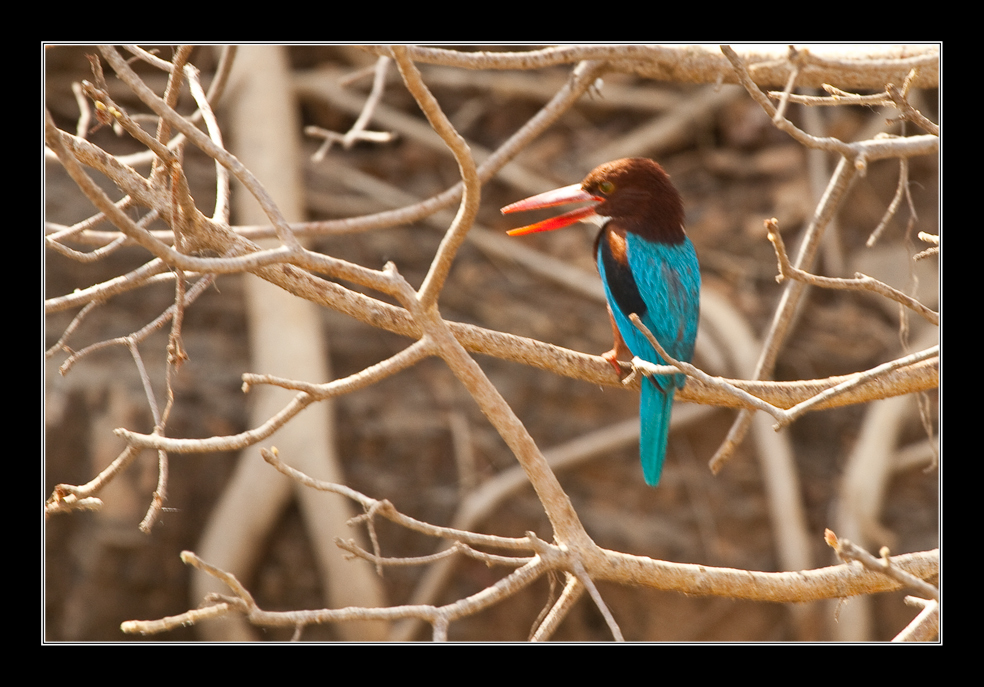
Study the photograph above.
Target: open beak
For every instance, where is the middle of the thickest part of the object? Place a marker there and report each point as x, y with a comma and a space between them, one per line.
560, 196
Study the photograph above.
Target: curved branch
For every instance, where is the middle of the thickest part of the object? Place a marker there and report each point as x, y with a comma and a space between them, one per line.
471, 195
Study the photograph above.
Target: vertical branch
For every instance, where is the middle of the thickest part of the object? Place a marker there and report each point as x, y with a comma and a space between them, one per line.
838, 187
839, 184
557, 505
468, 209
567, 526
221, 212
171, 94
375, 96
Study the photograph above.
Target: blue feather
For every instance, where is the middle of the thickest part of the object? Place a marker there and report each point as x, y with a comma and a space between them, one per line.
654, 415
665, 282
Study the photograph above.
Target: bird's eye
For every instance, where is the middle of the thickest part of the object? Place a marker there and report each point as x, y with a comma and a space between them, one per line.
606, 187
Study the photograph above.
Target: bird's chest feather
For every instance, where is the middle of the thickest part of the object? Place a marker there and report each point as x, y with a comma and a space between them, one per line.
660, 282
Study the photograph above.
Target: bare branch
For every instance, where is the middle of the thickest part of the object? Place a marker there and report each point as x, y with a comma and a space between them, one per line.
867, 67
847, 552
471, 195
860, 282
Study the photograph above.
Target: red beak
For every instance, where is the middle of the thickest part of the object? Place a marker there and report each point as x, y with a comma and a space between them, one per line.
560, 196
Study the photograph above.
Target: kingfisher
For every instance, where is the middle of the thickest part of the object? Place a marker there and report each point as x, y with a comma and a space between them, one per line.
648, 266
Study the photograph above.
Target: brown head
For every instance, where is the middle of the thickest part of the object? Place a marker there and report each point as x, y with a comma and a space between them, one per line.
634, 193
638, 196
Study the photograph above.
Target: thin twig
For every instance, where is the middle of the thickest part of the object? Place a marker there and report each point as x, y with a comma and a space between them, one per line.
222, 190
675, 365
386, 509
908, 111
67, 497
847, 551
589, 585
860, 282
136, 337
901, 190
358, 131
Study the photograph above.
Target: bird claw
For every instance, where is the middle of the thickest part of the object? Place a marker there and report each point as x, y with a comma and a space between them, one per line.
625, 375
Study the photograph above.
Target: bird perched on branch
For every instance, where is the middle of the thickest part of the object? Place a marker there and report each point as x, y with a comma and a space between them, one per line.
648, 267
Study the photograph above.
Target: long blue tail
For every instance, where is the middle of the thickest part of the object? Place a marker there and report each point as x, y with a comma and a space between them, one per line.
654, 417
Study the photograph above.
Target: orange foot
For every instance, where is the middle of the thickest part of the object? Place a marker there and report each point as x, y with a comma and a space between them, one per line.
612, 358
619, 349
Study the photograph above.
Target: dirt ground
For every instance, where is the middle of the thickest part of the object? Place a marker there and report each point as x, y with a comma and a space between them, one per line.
397, 438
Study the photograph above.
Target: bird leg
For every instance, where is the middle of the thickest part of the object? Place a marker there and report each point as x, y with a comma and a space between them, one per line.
619, 349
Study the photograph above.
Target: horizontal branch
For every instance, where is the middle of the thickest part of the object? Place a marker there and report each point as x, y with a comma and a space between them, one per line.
810, 585
439, 617
586, 561
850, 66
588, 564
848, 551
833, 582
921, 376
